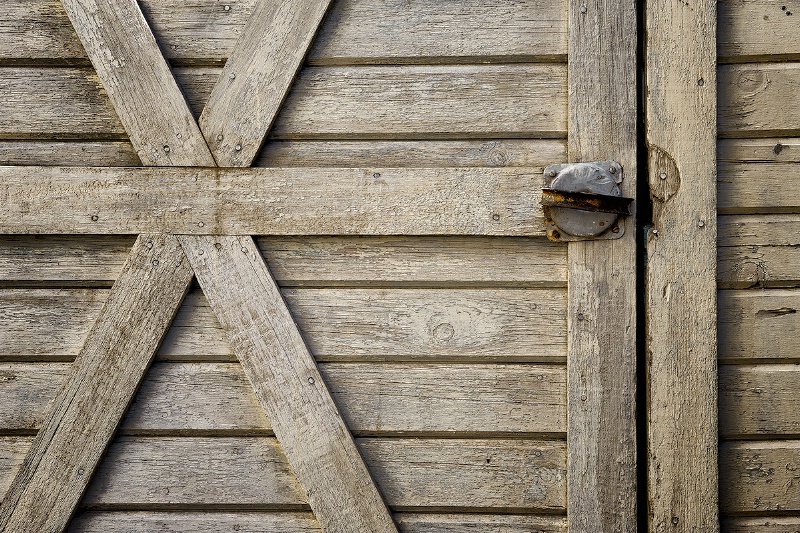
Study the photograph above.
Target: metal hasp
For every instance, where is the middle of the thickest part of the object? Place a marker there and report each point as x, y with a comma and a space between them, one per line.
583, 201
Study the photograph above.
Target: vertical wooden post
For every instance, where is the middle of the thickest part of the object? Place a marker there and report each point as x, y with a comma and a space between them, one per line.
681, 269
601, 361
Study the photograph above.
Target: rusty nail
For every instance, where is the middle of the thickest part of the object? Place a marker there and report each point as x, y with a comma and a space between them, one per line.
615, 229
556, 234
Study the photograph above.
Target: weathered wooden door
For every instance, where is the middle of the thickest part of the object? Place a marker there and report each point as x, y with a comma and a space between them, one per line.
400, 345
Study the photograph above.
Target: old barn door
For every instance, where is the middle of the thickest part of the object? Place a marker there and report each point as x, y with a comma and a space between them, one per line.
379, 335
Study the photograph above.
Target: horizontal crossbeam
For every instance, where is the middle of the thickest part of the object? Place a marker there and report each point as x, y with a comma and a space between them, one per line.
270, 201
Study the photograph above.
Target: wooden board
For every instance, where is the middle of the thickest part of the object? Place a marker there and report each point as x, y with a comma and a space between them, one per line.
757, 30
357, 31
680, 280
136, 76
760, 477
417, 103
752, 98
271, 201
287, 383
759, 401
99, 387
771, 524
519, 475
302, 522
759, 251
338, 324
257, 77
374, 399
601, 359
66, 153
759, 325
310, 261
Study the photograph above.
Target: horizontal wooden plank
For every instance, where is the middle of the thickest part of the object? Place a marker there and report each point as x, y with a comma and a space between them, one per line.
755, 175
532, 153
759, 251
356, 31
759, 325
373, 398
301, 522
337, 324
271, 201
756, 30
752, 100
69, 153
253, 473
771, 524
64, 103
54, 260
412, 102
12, 454
760, 477
759, 400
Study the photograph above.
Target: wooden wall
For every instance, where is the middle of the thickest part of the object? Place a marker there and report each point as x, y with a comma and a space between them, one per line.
759, 265
445, 355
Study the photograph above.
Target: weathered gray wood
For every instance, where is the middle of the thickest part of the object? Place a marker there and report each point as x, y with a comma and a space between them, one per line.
416, 103
520, 475
532, 153
681, 266
65, 153
138, 82
374, 399
458, 325
12, 454
752, 100
601, 355
357, 31
103, 380
759, 477
759, 400
288, 384
270, 201
759, 325
257, 76
53, 260
301, 522
757, 30
759, 251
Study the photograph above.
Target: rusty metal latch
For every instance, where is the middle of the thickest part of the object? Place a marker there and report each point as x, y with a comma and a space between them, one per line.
583, 201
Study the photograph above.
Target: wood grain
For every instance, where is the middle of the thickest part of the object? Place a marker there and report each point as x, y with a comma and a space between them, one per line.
66, 153
138, 82
252, 473
288, 384
759, 325
458, 325
752, 100
97, 392
759, 400
756, 30
301, 522
257, 77
768, 524
760, 477
357, 31
759, 251
374, 399
681, 266
270, 201
601, 354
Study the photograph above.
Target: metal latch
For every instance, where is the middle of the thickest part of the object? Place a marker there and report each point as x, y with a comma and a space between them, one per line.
583, 201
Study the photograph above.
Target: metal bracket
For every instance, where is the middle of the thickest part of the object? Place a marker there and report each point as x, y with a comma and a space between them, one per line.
583, 201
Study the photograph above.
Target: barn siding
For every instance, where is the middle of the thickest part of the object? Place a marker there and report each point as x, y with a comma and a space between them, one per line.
446, 355
759, 265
